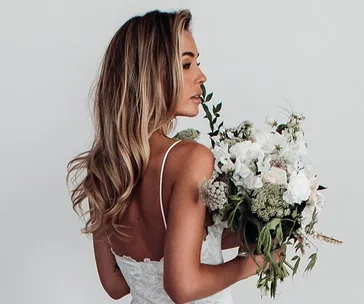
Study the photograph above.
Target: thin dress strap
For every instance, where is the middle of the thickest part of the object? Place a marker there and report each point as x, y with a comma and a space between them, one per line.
160, 181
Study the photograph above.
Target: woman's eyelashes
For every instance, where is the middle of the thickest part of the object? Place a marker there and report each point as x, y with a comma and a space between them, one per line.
188, 65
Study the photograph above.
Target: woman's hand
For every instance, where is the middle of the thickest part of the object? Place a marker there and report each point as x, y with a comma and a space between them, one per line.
250, 263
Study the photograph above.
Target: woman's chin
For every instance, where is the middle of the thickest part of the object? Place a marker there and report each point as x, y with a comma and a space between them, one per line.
191, 112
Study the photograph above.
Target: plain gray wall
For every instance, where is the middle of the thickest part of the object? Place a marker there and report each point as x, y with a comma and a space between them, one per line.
256, 54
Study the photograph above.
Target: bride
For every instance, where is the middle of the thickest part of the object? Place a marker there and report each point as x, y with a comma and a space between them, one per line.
153, 237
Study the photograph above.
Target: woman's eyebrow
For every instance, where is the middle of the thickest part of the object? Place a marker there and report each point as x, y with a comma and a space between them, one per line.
191, 54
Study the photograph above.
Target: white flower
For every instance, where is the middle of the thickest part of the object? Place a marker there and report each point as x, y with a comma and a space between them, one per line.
253, 182
241, 169
264, 163
222, 156
270, 121
275, 176
270, 141
261, 138
316, 199
213, 193
307, 212
247, 151
276, 142
298, 190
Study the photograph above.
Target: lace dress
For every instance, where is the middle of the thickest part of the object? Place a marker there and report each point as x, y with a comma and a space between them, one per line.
145, 278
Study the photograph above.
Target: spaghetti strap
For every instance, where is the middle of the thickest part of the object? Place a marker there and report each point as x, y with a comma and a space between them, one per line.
160, 182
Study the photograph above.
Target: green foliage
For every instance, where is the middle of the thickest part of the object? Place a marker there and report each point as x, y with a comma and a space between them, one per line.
313, 259
212, 117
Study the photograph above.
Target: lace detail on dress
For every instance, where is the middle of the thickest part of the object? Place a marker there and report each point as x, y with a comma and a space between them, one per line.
145, 278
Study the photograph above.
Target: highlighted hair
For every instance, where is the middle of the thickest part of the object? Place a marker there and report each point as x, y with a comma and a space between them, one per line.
139, 85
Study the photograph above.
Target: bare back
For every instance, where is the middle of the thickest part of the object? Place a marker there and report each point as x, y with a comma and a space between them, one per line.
144, 214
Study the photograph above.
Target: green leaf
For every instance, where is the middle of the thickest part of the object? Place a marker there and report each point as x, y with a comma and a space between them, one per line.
203, 91
273, 223
295, 267
235, 197
264, 241
207, 111
218, 107
310, 227
295, 258
206, 108
311, 264
208, 98
294, 213
279, 233
298, 246
212, 143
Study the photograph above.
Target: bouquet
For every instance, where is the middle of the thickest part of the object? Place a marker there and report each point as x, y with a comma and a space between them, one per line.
265, 188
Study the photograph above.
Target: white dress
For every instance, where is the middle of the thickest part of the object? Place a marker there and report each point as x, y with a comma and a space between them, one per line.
145, 279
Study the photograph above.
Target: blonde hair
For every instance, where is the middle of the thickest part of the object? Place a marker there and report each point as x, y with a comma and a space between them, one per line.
136, 94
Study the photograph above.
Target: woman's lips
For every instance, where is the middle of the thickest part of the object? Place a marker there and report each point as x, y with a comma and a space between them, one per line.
196, 99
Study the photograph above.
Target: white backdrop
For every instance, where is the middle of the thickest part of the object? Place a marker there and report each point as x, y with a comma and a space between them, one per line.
256, 55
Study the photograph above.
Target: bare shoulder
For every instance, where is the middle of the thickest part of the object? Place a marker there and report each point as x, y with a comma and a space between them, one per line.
194, 157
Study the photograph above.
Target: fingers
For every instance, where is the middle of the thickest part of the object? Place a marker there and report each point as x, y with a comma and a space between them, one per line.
279, 255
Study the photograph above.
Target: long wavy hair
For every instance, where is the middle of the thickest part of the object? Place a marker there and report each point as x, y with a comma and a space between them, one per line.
136, 94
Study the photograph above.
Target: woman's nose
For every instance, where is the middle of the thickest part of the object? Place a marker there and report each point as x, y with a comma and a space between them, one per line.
201, 78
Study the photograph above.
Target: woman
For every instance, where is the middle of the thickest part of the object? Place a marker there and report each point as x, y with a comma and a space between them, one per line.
152, 235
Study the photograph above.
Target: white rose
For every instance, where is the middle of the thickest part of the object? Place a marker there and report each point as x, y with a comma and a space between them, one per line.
275, 176
298, 190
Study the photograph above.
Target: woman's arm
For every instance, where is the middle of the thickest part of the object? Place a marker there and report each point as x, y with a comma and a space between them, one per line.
109, 273
185, 277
